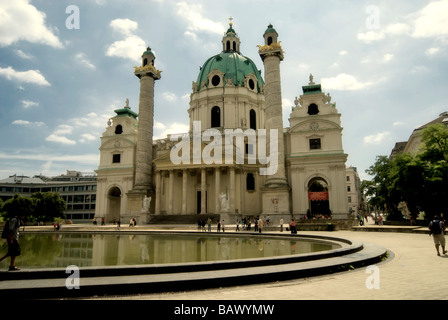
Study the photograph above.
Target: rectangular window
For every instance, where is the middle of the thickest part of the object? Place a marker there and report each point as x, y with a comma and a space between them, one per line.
348, 188
348, 178
116, 158
349, 199
315, 144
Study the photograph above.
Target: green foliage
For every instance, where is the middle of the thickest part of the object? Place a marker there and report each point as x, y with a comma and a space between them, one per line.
421, 180
48, 206
41, 206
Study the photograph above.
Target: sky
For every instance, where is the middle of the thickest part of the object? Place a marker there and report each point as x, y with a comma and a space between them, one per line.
65, 66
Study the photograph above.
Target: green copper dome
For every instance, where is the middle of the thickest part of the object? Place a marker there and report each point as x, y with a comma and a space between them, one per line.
234, 66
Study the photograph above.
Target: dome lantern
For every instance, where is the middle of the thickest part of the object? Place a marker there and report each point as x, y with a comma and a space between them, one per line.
230, 41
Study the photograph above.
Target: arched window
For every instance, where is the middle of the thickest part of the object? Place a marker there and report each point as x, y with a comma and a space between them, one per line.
234, 46
250, 182
228, 46
313, 109
252, 119
118, 129
216, 117
269, 41
145, 62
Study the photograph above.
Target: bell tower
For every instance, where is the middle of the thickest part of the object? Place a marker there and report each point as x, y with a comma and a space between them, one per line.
276, 189
147, 74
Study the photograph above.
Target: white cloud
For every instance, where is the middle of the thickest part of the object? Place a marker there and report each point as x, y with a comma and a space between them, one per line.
60, 139
418, 70
343, 52
86, 137
432, 51
377, 138
28, 104
388, 57
162, 130
124, 26
429, 22
371, 36
398, 123
59, 135
343, 81
169, 96
192, 13
30, 76
91, 159
287, 105
432, 20
82, 59
23, 55
28, 123
130, 48
392, 29
20, 20
397, 29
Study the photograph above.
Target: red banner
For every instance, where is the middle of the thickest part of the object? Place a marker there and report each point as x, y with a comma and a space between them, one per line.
318, 196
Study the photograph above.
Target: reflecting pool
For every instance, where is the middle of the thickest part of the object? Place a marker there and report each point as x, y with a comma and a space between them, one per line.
58, 250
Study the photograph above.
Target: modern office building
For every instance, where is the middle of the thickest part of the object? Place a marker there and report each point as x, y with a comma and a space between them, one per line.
78, 190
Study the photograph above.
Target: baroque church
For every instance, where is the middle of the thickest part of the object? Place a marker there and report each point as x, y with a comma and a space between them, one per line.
237, 160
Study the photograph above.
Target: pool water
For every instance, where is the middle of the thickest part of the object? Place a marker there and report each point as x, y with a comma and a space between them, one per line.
58, 250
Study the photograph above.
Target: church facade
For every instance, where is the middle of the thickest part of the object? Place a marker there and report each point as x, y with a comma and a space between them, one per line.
237, 160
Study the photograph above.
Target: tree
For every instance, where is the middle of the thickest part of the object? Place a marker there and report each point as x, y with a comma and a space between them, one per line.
419, 180
18, 206
48, 206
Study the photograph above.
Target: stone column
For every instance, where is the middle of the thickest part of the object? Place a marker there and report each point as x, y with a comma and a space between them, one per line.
275, 198
203, 190
217, 189
157, 205
232, 190
143, 168
273, 103
184, 190
147, 74
171, 192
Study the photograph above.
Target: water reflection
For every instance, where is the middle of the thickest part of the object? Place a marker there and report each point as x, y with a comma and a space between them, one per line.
61, 250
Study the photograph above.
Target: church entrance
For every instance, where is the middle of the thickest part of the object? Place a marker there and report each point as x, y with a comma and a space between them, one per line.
318, 198
114, 200
199, 201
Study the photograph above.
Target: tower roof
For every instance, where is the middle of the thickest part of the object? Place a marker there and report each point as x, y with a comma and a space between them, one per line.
126, 111
270, 29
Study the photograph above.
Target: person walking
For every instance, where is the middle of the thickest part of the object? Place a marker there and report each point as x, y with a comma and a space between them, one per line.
223, 226
209, 224
292, 226
281, 224
13, 242
437, 230
260, 225
237, 225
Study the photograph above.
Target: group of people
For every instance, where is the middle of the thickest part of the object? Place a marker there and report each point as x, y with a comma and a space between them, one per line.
245, 224
102, 221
